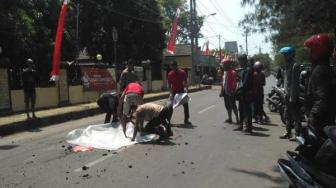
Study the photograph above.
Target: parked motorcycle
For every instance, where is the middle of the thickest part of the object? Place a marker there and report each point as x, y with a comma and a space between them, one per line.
314, 163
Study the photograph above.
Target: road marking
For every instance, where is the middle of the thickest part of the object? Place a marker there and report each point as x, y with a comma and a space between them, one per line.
90, 164
206, 109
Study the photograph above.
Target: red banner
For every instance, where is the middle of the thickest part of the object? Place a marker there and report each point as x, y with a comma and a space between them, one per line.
58, 42
173, 33
95, 79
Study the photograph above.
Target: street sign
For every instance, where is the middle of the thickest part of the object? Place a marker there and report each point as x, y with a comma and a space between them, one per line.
115, 34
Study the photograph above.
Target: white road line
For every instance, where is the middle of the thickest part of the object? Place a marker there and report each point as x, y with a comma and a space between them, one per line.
206, 109
90, 164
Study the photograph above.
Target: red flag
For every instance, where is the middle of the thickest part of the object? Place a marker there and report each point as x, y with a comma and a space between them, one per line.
207, 49
173, 33
58, 42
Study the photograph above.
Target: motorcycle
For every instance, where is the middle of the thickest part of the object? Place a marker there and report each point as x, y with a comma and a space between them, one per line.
314, 163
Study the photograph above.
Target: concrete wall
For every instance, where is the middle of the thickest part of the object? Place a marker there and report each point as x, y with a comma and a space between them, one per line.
45, 97
157, 85
49, 97
78, 95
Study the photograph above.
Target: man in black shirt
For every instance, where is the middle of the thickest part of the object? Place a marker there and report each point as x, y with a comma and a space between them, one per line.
29, 78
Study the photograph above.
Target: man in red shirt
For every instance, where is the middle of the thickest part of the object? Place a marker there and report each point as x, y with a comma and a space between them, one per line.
177, 82
132, 96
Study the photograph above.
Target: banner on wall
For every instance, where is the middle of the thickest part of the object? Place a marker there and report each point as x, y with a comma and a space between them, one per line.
97, 79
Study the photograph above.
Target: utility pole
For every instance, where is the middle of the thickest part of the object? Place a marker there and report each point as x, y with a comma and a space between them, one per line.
193, 38
220, 49
77, 32
246, 33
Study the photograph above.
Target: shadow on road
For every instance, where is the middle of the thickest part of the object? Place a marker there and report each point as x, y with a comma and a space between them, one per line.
165, 142
270, 124
183, 126
8, 147
257, 134
260, 129
258, 174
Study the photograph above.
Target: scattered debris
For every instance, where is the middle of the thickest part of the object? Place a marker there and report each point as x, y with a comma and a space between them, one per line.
192, 163
104, 154
66, 178
178, 163
183, 161
67, 172
186, 143
85, 176
85, 168
146, 154
147, 177
115, 152
130, 166
33, 155
109, 151
182, 172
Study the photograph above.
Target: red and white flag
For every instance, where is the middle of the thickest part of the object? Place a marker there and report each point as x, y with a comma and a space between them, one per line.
206, 52
173, 33
58, 42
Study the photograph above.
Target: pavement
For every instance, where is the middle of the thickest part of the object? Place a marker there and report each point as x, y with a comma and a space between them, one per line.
19, 122
206, 154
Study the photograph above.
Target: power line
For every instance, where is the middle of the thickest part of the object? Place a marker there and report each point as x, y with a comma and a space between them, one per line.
222, 12
123, 14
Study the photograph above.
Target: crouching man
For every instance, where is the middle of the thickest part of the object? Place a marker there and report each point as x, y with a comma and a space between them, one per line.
108, 102
157, 117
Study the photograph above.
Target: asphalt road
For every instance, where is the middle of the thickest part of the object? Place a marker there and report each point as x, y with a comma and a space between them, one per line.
208, 154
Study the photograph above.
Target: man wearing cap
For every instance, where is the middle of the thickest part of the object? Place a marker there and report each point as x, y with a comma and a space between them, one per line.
177, 82
29, 78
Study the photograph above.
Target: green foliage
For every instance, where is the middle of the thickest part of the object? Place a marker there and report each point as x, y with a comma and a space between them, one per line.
290, 22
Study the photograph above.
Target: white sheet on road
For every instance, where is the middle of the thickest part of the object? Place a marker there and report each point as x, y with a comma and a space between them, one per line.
106, 136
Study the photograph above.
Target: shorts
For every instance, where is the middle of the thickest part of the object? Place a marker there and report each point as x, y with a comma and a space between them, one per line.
30, 96
131, 99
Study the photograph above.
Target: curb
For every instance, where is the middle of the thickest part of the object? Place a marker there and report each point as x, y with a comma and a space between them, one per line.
21, 126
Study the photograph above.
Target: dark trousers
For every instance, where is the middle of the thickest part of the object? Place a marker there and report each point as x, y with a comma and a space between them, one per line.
293, 117
258, 106
186, 111
230, 105
153, 124
245, 111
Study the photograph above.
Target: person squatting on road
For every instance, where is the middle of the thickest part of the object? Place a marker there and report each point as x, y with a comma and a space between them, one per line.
177, 82
228, 89
157, 117
29, 78
292, 87
321, 92
259, 82
108, 102
131, 96
244, 94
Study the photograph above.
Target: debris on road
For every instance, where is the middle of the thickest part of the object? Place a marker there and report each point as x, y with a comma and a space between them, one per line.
130, 166
77, 149
85, 168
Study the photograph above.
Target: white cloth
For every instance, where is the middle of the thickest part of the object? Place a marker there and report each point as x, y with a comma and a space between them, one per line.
106, 136
180, 99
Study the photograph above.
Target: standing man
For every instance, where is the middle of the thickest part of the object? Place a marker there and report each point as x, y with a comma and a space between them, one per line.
177, 82
258, 91
292, 87
132, 96
228, 88
321, 89
29, 78
127, 75
157, 117
245, 95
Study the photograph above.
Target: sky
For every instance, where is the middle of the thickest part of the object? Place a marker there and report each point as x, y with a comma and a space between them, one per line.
225, 23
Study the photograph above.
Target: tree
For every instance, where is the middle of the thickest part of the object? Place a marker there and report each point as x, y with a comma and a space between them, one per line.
290, 21
140, 30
